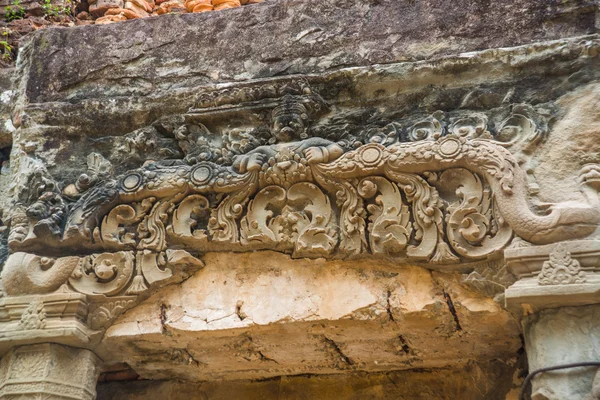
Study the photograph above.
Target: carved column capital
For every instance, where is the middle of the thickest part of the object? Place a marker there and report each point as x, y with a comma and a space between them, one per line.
555, 275
57, 317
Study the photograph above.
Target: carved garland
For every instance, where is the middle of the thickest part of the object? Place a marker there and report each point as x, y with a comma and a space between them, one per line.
432, 193
376, 199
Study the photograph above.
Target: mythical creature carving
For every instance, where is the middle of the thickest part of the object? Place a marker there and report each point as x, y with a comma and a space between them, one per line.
111, 282
441, 190
285, 159
108, 274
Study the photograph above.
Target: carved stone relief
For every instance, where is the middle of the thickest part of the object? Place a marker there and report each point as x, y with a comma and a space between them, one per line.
386, 192
561, 269
105, 285
554, 275
48, 371
266, 166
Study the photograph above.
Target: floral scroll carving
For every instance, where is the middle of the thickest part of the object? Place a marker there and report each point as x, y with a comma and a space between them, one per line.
440, 189
106, 274
390, 227
366, 201
303, 221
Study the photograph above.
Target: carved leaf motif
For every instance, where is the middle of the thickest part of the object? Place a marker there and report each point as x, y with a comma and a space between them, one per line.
105, 313
561, 269
474, 228
428, 129
106, 273
390, 229
185, 218
112, 230
255, 225
318, 236
471, 127
153, 266
351, 212
152, 229
427, 216
298, 218
222, 224
518, 130
384, 136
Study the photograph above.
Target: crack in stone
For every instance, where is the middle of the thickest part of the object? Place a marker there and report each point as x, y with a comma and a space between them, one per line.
452, 310
184, 356
388, 307
163, 318
191, 359
252, 353
405, 347
332, 344
265, 358
238, 311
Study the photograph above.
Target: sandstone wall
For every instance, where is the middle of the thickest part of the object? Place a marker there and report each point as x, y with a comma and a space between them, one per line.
264, 324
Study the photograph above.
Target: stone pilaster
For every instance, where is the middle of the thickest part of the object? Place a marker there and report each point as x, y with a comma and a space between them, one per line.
48, 371
558, 294
564, 335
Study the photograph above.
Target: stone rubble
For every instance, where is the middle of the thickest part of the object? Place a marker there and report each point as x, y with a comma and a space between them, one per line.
37, 15
109, 11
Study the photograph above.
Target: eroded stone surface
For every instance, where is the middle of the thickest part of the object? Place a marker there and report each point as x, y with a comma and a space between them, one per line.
488, 381
401, 141
303, 37
262, 314
49, 371
563, 336
397, 91
573, 142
